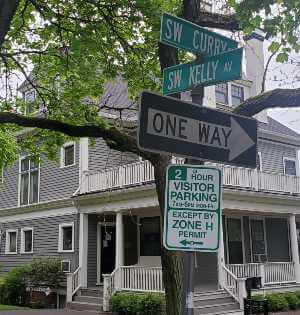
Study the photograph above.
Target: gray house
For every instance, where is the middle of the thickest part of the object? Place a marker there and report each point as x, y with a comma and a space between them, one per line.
97, 210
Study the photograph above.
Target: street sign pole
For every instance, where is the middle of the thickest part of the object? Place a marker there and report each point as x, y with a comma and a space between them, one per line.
189, 257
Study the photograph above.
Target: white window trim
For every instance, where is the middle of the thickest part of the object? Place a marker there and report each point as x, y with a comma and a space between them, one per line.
289, 159
230, 92
7, 252
62, 154
260, 161
66, 261
60, 238
22, 251
27, 102
229, 95
19, 183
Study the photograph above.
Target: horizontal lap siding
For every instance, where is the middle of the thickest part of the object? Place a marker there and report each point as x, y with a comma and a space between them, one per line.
9, 187
45, 241
272, 155
101, 157
92, 250
57, 182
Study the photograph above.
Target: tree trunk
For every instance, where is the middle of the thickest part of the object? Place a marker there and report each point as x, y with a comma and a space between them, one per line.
172, 261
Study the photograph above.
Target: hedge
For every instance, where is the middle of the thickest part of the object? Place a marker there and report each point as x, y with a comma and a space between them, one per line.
281, 301
132, 303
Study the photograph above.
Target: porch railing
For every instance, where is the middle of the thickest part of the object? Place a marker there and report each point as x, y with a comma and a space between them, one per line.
131, 278
73, 283
235, 286
282, 272
270, 273
143, 172
141, 278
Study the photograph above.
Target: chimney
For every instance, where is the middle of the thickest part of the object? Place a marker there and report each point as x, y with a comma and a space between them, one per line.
254, 53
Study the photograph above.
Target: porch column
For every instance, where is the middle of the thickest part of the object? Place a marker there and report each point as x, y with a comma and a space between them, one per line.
221, 256
83, 248
294, 246
119, 240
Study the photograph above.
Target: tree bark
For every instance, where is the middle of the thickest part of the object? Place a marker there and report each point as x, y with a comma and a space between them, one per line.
8, 9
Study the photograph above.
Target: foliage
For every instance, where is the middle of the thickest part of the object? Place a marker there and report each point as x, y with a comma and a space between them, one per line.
279, 301
137, 303
13, 287
45, 272
293, 300
278, 19
41, 272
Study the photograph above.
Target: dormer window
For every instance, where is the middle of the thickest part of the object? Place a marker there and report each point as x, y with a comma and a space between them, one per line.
237, 94
222, 93
29, 98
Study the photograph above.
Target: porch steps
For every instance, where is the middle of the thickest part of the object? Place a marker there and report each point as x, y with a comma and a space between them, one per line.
88, 300
215, 303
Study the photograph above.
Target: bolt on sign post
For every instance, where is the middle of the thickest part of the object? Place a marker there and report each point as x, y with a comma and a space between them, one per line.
192, 208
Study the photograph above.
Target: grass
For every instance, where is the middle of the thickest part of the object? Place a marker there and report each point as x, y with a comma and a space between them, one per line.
11, 307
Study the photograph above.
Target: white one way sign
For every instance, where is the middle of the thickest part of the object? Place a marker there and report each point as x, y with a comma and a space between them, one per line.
173, 126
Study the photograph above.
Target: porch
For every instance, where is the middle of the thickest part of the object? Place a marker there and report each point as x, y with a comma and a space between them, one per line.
132, 266
142, 172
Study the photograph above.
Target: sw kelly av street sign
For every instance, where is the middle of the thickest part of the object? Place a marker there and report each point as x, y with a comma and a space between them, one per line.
180, 33
220, 68
192, 208
168, 125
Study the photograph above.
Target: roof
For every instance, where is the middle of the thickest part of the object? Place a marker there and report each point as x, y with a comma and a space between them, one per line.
275, 126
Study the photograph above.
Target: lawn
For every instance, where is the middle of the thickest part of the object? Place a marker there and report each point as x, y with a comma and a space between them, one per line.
10, 307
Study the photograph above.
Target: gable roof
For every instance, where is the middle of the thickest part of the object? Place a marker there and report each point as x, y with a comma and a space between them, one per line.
275, 126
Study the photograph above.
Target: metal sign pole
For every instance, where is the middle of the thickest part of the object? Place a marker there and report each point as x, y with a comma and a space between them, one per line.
189, 258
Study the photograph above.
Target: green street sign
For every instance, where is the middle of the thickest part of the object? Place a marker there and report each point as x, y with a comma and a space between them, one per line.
180, 33
192, 208
220, 68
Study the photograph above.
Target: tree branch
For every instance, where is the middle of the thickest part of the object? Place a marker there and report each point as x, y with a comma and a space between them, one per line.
7, 11
115, 138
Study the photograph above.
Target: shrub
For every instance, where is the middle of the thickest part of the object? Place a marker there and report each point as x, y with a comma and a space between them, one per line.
137, 303
293, 300
277, 302
45, 272
13, 287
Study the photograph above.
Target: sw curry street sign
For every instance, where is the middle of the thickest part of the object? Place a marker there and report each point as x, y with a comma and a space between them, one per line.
220, 68
182, 34
171, 126
192, 208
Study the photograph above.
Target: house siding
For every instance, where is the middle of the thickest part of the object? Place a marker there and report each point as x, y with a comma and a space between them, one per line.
92, 250
45, 241
101, 157
9, 187
272, 155
58, 182
55, 182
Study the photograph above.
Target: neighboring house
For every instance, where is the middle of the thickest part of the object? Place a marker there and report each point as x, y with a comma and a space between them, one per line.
97, 210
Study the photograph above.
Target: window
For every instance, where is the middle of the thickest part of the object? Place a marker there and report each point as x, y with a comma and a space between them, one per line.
26, 240
150, 236
258, 242
234, 241
29, 97
289, 166
222, 93
11, 242
259, 161
29, 181
66, 237
65, 266
68, 154
237, 94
